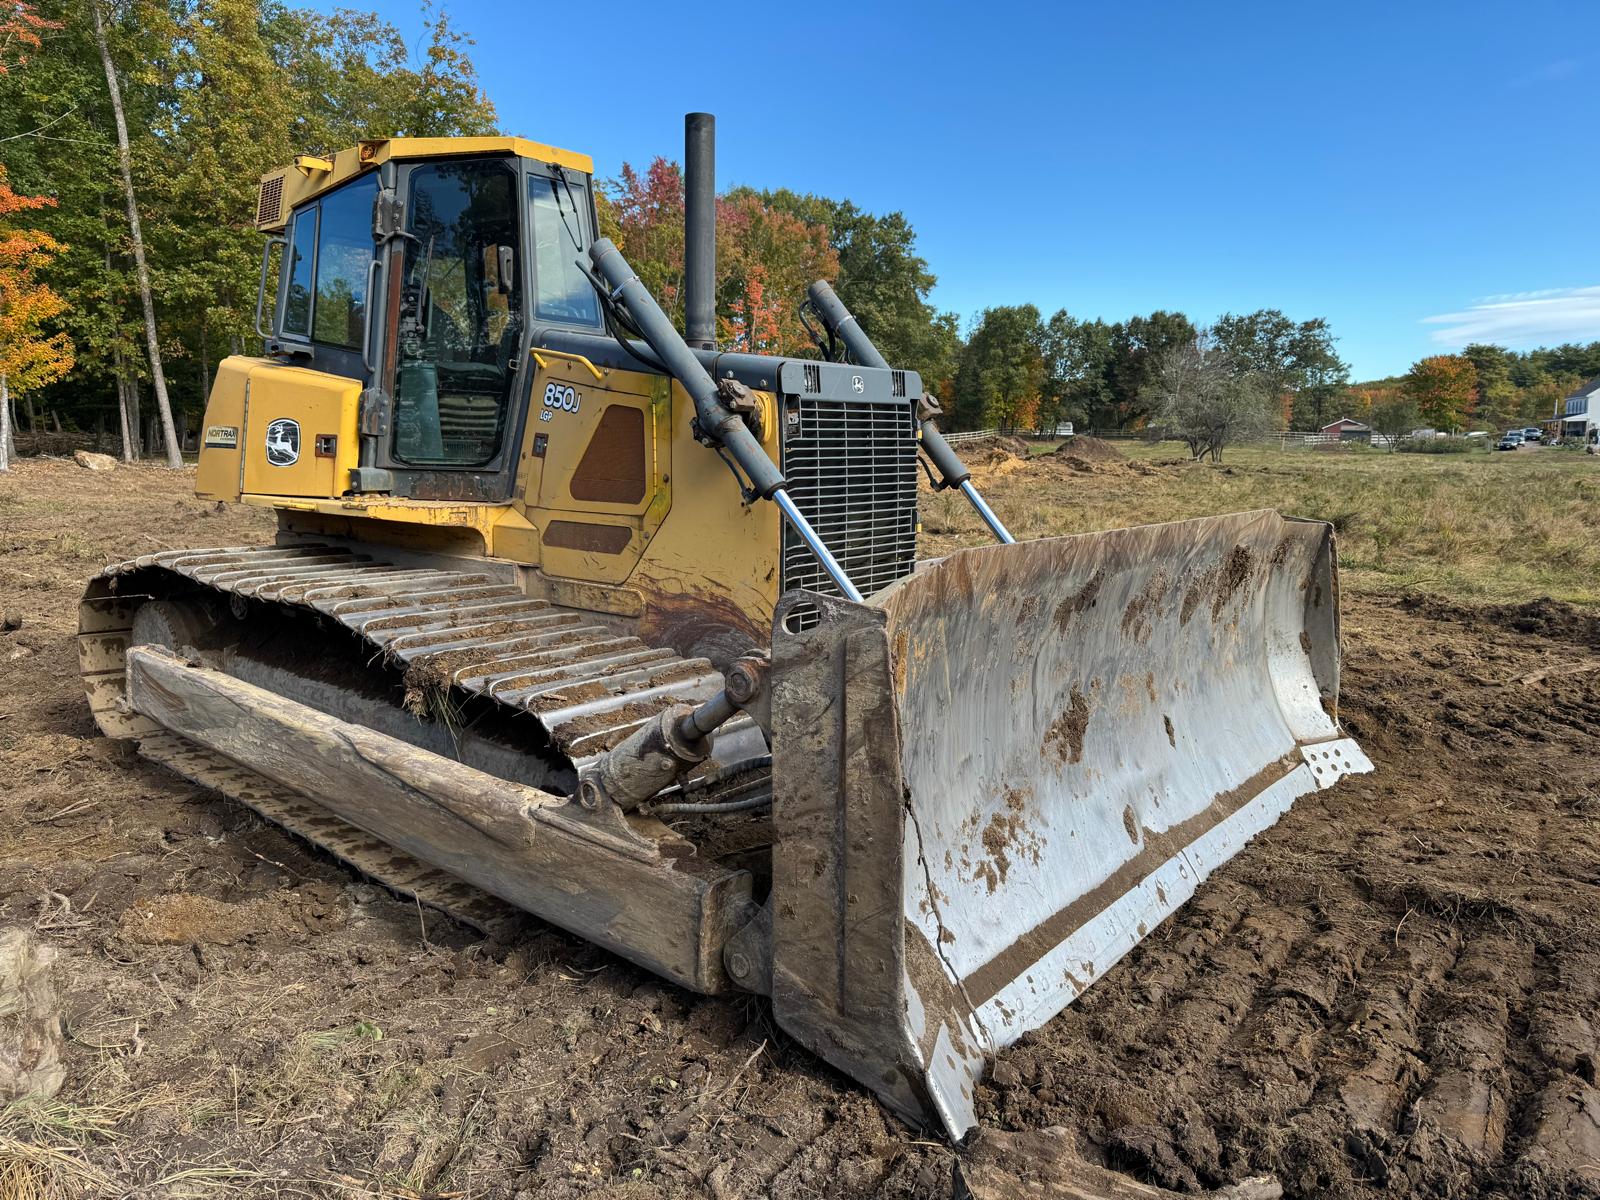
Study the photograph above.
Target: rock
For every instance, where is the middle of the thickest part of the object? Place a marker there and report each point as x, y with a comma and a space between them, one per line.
30, 1020
90, 461
10, 622
1043, 1164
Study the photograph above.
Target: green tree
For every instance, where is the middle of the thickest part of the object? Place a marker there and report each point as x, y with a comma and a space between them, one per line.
1295, 361
1394, 416
1496, 402
1138, 346
1002, 371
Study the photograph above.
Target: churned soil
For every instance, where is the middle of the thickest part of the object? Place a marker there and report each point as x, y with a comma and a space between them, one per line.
1391, 993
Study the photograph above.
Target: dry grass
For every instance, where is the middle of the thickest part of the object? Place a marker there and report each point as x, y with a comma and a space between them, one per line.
1487, 526
41, 1142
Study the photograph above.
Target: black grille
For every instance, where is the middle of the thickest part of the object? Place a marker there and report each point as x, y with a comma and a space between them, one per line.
269, 201
852, 472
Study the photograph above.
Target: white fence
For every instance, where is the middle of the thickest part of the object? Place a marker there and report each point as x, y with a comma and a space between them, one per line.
971, 435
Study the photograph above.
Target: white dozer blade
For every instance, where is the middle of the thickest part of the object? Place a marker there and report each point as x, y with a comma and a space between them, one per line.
999, 774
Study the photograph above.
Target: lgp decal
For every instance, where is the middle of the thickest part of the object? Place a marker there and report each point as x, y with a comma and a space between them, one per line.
222, 437
283, 442
558, 397
857, 383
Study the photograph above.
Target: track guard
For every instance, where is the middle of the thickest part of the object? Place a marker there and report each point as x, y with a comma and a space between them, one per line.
998, 775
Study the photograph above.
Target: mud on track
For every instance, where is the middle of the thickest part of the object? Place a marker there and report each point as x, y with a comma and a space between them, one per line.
1391, 993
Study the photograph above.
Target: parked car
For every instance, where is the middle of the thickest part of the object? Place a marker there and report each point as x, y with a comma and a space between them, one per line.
1533, 434
1478, 433
1510, 441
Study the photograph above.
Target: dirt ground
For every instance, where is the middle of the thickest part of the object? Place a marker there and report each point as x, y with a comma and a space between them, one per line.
1392, 993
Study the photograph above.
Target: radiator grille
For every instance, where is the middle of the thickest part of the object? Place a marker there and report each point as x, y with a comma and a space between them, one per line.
852, 472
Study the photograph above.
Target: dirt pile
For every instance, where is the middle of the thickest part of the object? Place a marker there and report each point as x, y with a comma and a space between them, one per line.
989, 450
1089, 449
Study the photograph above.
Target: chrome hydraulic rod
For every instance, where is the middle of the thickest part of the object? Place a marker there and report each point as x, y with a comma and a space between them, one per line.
987, 513
809, 536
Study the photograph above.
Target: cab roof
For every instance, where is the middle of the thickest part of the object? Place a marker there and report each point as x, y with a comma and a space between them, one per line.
308, 176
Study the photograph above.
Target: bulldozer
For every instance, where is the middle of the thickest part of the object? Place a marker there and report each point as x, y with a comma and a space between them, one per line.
573, 613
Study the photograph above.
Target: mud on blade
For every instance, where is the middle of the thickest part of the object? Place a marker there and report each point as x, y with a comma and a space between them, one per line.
1001, 773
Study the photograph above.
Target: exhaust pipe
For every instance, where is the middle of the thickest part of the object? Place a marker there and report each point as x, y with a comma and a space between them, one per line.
700, 231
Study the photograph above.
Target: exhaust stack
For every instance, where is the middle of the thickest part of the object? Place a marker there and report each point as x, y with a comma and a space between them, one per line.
700, 231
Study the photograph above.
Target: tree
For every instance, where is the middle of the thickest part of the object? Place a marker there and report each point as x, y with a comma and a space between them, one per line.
1394, 416
766, 256
1496, 401
883, 281
141, 269
1207, 399
1137, 348
1443, 387
1292, 360
31, 354
22, 32
1002, 371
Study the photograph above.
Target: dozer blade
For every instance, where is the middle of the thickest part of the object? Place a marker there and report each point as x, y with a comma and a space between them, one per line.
999, 774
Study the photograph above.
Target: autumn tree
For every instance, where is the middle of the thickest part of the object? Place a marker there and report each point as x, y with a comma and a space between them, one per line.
1444, 388
883, 281
31, 353
766, 256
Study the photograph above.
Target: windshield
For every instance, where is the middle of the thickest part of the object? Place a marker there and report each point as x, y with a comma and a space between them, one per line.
561, 235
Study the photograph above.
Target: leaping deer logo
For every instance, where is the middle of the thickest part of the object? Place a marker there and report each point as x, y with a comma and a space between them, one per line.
283, 442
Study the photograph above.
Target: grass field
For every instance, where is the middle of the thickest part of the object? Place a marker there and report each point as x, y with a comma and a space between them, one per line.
1481, 525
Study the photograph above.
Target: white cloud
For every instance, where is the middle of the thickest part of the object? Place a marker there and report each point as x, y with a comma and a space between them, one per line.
1545, 317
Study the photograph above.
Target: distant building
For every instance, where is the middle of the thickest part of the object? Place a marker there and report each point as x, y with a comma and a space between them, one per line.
1348, 429
1580, 412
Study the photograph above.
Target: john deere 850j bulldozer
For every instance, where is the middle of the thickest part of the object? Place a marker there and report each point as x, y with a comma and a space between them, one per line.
573, 610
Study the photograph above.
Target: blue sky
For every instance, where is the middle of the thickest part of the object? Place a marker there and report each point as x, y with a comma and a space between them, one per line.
1421, 174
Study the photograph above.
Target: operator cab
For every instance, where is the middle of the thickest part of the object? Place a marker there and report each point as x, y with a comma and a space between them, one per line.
419, 267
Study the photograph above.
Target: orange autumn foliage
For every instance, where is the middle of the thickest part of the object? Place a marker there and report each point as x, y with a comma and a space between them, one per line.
30, 356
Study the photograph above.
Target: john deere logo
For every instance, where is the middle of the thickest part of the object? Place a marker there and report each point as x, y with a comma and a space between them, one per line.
283, 442
858, 383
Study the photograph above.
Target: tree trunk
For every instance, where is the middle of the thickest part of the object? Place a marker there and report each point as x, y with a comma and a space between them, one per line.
125, 160
55, 420
6, 451
128, 454
33, 417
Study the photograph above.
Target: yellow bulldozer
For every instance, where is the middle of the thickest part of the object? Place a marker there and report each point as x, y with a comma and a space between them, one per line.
572, 611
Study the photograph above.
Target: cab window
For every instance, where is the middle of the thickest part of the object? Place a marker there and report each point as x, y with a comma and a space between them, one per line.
302, 264
461, 315
344, 257
561, 235
330, 256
